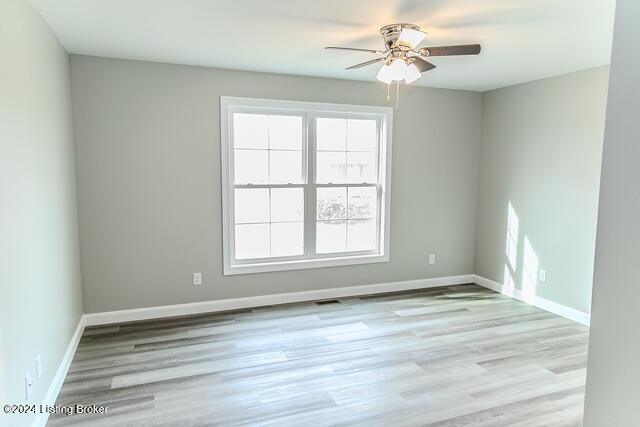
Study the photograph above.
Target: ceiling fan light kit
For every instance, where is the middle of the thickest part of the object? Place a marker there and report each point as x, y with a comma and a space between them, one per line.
398, 70
402, 58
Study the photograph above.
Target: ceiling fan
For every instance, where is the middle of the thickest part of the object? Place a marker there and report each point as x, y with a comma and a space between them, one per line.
402, 58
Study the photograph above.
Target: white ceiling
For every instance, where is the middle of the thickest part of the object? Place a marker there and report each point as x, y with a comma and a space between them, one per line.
522, 40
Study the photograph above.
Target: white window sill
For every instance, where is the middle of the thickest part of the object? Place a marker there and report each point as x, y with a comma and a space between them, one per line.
304, 264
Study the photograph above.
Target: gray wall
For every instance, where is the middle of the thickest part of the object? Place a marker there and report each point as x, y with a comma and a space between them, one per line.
40, 295
148, 139
613, 374
541, 153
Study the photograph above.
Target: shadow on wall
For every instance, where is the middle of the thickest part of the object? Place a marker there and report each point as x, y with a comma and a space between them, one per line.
521, 260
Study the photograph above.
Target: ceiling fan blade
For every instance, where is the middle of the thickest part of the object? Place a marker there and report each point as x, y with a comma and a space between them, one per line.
422, 65
462, 49
364, 64
354, 48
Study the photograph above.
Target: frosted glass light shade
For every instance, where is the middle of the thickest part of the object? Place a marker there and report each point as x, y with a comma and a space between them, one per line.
410, 38
392, 72
411, 73
384, 74
398, 70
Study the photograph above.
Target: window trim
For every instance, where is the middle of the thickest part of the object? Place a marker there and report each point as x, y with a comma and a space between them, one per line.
308, 110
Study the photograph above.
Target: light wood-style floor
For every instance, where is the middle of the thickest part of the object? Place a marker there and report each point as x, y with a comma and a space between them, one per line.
454, 356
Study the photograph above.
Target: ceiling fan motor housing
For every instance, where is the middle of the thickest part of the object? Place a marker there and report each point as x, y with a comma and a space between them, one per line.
390, 33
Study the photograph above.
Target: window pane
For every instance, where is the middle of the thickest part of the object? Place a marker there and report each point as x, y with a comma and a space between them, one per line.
287, 204
251, 166
363, 202
330, 167
287, 239
361, 135
252, 241
331, 236
285, 132
252, 205
331, 134
250, 131
285, 167
331, 203
361, 235
361, 167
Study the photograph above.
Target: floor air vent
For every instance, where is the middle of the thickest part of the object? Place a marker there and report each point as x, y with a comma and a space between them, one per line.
329, 301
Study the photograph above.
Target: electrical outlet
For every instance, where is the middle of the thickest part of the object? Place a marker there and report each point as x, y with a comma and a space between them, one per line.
542, 276
28, 385
197, 279
38, 367
432, 259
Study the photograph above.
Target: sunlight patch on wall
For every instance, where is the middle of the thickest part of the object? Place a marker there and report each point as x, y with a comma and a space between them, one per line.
511, 251
529, 271
513, 225
508, 283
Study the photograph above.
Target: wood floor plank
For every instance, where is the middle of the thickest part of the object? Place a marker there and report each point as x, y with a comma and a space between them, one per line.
450, 356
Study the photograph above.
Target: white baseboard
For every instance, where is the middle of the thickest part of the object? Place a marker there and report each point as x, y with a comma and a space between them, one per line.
545, 304
56, 383
262, 300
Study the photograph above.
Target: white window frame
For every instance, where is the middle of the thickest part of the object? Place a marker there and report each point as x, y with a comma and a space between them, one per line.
309, 111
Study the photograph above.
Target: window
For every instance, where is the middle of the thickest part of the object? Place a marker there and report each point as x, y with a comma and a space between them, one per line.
305, 185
